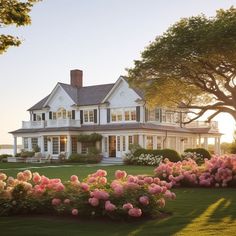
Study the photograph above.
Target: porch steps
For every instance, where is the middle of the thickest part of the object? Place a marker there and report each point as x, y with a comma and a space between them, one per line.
112, 161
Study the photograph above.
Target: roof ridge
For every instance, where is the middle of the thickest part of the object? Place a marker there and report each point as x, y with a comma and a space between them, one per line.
86, 86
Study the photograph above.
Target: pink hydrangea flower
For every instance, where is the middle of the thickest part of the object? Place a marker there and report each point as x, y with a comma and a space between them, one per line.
93, 201
84, 187
67, 201
56, 201
127, 206
3, 176
135, 212
119, 174
144, 200
74, 178
74, 212
109, 206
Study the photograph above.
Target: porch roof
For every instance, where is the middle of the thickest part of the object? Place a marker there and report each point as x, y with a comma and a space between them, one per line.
117, 127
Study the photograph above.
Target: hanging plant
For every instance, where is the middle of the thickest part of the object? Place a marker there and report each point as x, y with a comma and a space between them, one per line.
94, 137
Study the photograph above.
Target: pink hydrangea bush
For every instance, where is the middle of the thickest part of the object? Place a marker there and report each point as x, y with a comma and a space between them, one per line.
219, 171
126, 196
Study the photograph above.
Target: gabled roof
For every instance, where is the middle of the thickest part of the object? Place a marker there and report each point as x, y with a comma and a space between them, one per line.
89, 95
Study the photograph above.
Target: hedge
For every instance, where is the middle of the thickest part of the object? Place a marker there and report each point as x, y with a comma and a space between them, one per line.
201, 151
172, 155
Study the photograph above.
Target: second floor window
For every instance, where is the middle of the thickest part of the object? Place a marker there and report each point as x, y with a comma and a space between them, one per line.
88, 116
127, 114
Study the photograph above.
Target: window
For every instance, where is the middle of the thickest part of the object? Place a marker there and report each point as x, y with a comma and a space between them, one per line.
38, 117
124, 145
64, 114
149, 143
159, 142
136, 139
119, 115
26, 143
105, 144
54, 115
130, 140
55, 145
45, 143
88, 116
62, 144
133, 115
172, 142
69, 114
85, 146
118, 143
126, 115
74, 144
34, 142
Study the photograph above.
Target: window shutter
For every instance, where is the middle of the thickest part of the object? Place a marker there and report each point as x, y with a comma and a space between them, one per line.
138, 113
43, 116
95, 114
34, 117
50, 115
73, 115
146, 114
81, 116
108, 115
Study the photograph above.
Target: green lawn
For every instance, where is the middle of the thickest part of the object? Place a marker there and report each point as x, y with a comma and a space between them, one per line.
196, 211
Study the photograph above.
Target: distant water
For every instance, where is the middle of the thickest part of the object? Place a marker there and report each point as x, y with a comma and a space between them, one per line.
8, 151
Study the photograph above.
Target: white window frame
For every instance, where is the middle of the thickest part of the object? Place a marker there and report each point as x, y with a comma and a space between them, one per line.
90, 119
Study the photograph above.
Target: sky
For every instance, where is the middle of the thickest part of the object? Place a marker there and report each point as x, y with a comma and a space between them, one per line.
100, 37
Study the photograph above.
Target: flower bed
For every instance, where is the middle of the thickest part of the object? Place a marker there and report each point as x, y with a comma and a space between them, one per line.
219, 171
124, 197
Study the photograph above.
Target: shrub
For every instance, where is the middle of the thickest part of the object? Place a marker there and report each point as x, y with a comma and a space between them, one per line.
26, 154
201, 151
172, 155
143, 159
198, 158
3, 157
219, 171
36, 148
125, 197
84, 158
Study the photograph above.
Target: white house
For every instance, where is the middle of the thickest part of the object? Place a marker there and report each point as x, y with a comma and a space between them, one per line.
117, 112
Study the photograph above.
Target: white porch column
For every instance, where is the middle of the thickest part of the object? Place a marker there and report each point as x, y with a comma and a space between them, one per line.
30, 144
69, 149
154, 142
15, 146
206, 142
41, 144
219, 149
141, 140
49, 140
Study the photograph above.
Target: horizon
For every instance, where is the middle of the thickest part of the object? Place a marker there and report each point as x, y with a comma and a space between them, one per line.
102, 39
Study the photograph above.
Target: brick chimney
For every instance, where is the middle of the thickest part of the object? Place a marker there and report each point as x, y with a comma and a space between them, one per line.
76, 78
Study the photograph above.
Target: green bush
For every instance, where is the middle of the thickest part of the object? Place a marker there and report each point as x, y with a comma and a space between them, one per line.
172, 155
200, 151
3, 157
84, 158
26, 154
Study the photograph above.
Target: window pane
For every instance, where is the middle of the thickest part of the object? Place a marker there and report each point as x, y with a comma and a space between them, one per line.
105, 143
74, 144
133, 115
26, 144
113, 116
130, 140
45, 141
118, 143
55, 145
62, 144
69, 114
149, 143
85, 116
54, 115
91, 118
127, 115
124, 146
34, 142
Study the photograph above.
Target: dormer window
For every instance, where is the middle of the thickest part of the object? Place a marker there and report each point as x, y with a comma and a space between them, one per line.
88, 116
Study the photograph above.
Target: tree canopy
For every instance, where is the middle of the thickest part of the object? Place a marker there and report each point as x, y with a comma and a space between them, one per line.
16, 13
192, 65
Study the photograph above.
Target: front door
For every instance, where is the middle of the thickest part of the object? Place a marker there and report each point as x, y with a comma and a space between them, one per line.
112, 146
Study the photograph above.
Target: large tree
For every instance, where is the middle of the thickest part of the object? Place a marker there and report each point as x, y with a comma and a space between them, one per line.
192, 65
13, 12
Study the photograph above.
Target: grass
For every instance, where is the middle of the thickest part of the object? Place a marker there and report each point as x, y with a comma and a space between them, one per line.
196, 211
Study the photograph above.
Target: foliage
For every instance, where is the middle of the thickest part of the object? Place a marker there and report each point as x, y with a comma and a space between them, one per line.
3, 157
85, 158
36, 148
143, 159
14, 12
94, 137
225, 147
192, 66
200, 151
134, 147
25, 154
172, 155
198, 158
124, 197
219, 171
